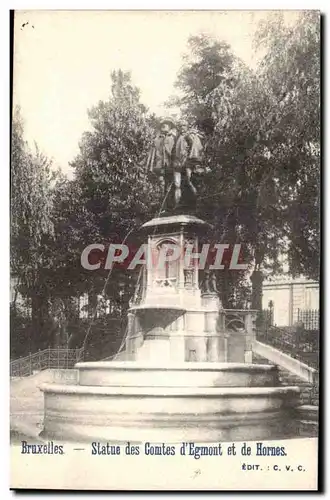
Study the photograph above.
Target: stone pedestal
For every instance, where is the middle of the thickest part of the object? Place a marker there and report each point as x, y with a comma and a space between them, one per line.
171, 302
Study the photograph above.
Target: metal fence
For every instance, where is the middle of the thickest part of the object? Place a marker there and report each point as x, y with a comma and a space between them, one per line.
309, 318
265, 318
46, 359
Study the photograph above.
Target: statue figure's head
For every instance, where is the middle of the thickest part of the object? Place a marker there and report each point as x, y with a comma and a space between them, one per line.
166, 124
183, 126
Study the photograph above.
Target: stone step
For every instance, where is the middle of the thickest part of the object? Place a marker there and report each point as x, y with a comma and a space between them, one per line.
308, 416
309, 393
309, 413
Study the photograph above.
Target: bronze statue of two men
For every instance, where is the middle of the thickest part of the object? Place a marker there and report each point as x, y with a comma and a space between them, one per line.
176, 154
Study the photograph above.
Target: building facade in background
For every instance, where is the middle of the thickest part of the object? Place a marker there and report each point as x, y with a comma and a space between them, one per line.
292, 300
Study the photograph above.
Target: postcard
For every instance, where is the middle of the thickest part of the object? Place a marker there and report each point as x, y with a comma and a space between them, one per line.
165, 250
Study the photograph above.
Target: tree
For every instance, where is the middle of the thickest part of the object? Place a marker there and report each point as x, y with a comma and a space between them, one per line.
208, 82
31, 225
207, 66
261, 153
111, 183
291, 72
110, 167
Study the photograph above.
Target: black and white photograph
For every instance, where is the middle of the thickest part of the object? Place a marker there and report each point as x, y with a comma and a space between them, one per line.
165, 194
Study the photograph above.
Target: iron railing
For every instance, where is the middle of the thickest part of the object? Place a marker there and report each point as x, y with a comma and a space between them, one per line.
46, 359
309, 318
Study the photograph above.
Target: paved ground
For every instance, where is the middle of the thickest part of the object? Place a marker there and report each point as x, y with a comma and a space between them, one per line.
27, 406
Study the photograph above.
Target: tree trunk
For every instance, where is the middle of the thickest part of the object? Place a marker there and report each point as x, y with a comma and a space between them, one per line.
15, 296
40, 317
257, 280
92, 303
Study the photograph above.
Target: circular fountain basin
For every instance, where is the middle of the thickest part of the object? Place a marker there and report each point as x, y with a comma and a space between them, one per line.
129, 401
134, 374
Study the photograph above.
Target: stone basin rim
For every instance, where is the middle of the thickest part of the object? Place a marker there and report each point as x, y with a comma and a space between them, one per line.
169, 391
186, 367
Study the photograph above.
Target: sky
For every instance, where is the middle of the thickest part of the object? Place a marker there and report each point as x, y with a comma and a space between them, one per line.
63, 61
